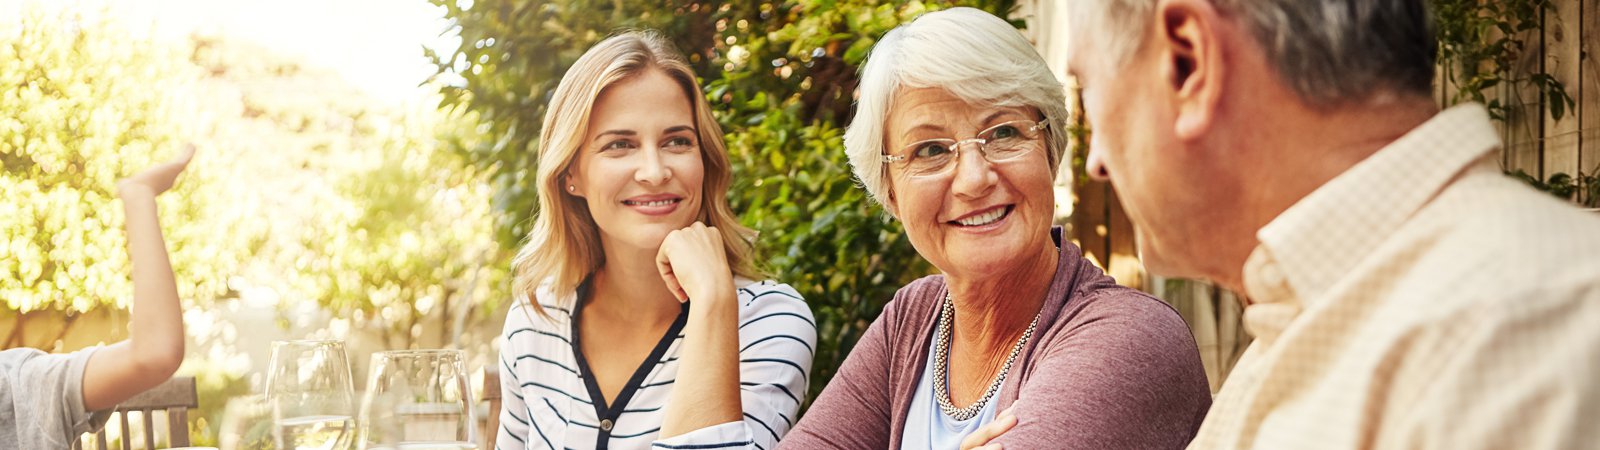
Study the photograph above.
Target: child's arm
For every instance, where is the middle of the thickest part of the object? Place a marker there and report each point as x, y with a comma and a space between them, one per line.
154, 348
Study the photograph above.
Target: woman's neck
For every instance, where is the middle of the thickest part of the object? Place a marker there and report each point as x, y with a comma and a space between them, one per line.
992, 312
628, 287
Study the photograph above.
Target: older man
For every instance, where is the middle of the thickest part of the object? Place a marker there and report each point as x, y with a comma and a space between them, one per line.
1402, 292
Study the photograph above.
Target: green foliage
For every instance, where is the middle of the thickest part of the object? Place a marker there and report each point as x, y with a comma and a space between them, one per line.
343, 216
1481, 45
373, 217
417, 240
1484, 46
1581, 189
83, 106
781, 78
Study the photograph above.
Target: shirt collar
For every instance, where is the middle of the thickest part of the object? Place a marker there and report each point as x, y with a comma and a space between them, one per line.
1310, 246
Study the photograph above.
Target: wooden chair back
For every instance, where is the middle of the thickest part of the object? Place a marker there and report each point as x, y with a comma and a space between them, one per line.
491, 394
173, 398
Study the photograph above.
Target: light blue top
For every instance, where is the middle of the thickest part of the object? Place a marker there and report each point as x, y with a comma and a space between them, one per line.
927, 426
41, 399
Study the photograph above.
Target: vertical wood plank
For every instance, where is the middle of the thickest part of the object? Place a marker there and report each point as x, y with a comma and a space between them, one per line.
127, 432
1562, 55
1089, 221
1524, 121
1123, 263
1588, 87
178, 426
491, 393
147, 420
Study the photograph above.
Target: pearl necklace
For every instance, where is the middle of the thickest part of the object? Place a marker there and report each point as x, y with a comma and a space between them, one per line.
941, 364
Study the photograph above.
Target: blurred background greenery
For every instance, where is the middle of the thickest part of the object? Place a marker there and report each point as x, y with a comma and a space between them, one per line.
337, 195
315, 210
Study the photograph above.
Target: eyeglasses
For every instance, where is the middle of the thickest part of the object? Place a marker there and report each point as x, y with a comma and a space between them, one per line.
999, 143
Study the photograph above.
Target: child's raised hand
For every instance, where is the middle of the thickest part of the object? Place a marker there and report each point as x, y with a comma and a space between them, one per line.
154, 348
159, 178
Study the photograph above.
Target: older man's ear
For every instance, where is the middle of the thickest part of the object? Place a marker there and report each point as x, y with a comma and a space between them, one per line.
1190, 48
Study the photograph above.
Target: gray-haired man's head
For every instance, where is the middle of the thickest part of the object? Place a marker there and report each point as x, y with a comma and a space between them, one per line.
1328, 51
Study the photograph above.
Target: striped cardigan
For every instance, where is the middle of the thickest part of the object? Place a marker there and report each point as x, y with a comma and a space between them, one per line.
548, 403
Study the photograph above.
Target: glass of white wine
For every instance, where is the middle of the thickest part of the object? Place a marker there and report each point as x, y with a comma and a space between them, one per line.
247, 424
309, 391
418, 400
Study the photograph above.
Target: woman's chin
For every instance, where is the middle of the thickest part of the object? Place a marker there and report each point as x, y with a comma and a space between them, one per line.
642, 237
980, 259
995, 252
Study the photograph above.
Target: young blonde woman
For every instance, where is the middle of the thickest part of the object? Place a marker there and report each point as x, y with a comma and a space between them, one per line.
637, 324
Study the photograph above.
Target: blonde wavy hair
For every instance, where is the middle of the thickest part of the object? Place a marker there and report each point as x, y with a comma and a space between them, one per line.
564, 246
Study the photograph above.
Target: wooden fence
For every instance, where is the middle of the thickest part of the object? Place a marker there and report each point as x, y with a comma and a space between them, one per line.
1536, 142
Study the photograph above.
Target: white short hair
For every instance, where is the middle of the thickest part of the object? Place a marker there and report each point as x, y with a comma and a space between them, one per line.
1329, 51
977, 57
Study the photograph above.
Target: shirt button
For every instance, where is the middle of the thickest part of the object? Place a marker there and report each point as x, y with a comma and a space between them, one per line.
605, 425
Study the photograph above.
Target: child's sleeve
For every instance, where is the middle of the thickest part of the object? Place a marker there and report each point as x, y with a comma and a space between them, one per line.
46, 397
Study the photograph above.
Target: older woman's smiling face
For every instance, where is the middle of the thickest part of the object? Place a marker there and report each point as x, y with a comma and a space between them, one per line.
977, 218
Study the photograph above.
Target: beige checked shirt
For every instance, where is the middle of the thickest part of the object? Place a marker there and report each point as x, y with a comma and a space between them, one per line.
1420, 300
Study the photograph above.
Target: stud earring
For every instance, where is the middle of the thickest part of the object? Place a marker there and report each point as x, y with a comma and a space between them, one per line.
572, 188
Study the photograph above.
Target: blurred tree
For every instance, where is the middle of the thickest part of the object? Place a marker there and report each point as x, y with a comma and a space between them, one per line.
371, 214
369, 226
85, 105
781, 76
357, 219
417, 242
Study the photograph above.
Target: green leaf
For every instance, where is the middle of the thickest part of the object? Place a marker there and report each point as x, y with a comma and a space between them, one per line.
857, 53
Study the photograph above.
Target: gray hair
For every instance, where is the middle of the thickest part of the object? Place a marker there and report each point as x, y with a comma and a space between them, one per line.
977, 57
1329, 51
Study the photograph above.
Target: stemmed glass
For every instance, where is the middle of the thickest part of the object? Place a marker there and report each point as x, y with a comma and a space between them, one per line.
309, 392
418, 400
247, 424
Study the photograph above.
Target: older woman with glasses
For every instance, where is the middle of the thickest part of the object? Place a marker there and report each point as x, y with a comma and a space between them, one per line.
1020, 341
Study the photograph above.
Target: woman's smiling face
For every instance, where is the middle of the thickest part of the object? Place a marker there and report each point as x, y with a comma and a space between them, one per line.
639, 167
976, 217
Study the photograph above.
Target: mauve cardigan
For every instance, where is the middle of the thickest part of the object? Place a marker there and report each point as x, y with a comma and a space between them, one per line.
1108, 368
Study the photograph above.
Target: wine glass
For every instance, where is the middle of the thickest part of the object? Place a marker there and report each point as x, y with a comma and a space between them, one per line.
418, 400
247, 424
308, 390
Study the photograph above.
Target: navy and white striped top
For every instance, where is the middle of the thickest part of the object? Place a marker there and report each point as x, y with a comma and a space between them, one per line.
547, 403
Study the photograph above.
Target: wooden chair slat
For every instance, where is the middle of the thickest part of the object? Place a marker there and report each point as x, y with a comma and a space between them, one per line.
177, 427
491, 393
174, 398
148, 417
127, 438
491, 384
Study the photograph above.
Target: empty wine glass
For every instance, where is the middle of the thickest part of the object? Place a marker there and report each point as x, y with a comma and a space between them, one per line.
418, 400
308, 389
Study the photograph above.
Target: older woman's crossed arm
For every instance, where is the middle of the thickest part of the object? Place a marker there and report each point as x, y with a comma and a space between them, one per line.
1121, 377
